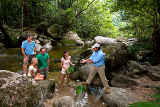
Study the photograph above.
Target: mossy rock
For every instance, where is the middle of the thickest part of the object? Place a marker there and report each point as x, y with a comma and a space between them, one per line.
55, 30
68, 42
42, 27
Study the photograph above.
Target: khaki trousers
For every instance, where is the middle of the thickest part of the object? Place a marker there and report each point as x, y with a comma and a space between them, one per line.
101, 73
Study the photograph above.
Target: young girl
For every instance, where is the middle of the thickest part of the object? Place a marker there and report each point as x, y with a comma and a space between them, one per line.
65, 64
33, 70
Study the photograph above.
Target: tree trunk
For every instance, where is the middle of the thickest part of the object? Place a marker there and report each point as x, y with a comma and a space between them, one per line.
26, 12
156, 36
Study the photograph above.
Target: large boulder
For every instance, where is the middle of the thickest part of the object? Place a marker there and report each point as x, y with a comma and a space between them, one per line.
66, 101
118, 57
42, 28
89, 42
128, 74
83, 73
69, 101
18, 91
136, 70
154, 72
48, 46
105, 40
54, 30
126, 41
119, 97
38, 47
74, 36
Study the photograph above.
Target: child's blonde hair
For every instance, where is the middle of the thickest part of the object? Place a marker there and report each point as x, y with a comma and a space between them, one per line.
33, 59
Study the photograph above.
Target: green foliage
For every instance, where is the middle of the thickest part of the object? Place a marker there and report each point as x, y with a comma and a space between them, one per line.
139, 47
96, 20
70, 70
87, 17
139, 16
80, 89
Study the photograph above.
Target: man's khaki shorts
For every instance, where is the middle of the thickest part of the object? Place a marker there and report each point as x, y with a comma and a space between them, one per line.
27, 60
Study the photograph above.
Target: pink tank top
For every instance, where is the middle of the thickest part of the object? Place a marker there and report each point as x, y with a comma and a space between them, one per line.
66, 62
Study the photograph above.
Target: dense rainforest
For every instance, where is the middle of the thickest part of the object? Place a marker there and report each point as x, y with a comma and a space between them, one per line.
111, 18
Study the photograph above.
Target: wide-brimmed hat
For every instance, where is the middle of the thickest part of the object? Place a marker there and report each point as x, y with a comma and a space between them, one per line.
96, 45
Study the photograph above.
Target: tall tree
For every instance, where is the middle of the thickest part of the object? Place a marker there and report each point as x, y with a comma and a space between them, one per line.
143, 15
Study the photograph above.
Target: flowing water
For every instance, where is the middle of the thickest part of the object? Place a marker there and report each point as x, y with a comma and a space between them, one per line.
12, 60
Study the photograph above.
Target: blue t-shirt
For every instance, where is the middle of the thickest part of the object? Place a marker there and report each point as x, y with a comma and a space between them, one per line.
28, 47
98, 58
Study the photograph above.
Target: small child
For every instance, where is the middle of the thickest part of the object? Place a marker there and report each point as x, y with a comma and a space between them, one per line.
65, 64
33, 70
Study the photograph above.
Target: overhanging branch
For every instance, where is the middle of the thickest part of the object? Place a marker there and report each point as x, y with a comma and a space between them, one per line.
85, 8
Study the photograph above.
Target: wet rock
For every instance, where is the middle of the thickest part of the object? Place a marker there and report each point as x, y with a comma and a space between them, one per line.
89, 42
18, 91
74, 36
38, 47
135, 67
127, 76
118, 57
105, 40
53, 29
119, 98
48, 87
48, 46
127, 42
40, 39
83, 73
66, 101
121, 80
75, 75
154, 72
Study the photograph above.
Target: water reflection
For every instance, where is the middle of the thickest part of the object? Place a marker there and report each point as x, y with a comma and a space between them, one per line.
12, 59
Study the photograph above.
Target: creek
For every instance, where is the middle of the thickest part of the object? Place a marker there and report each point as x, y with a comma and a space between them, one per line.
12, 60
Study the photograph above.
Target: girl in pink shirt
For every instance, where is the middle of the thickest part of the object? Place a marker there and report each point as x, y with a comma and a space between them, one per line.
65, 64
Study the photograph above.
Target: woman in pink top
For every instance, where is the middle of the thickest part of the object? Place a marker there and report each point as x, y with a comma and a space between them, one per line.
65, 64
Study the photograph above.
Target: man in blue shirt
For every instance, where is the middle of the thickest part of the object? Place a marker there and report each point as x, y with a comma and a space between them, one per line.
97, 58
28, 51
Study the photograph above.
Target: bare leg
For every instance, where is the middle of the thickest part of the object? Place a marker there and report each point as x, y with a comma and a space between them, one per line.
24, 69
25, 63
68, 79
62, 80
